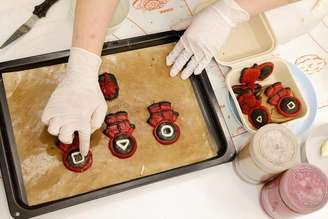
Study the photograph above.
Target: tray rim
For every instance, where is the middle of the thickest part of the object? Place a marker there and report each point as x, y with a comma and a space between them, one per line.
9, 162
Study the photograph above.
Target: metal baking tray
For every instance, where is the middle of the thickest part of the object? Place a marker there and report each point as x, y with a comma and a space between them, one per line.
9, 161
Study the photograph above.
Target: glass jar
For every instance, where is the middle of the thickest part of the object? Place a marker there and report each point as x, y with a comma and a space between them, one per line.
272, 150
300, 190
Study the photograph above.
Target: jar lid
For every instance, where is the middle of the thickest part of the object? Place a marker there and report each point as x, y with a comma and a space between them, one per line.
304, 188
274, 148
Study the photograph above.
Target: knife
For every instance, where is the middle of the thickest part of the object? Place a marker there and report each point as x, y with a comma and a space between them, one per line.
40, 11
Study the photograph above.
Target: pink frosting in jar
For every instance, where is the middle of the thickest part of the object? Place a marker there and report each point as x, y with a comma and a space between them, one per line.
304, 188
300, 190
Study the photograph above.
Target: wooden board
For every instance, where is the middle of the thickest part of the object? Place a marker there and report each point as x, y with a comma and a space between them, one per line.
143, 79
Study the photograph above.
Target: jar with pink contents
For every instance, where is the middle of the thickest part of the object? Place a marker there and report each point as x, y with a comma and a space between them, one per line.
300, 190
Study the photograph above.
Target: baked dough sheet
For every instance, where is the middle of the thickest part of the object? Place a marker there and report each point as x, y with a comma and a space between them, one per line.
143, 79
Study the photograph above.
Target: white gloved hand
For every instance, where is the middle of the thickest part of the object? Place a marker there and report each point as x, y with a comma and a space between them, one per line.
204, 38
77, 104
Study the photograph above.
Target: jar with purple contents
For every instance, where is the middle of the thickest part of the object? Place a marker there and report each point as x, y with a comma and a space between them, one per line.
300, 190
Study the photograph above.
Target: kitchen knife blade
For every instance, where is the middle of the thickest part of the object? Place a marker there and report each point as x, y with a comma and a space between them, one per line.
39, 12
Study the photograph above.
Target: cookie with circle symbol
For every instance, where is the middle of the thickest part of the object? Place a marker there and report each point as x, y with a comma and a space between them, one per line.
162, 118
259, 116
109, 86
289, 106
166, 133
72, 158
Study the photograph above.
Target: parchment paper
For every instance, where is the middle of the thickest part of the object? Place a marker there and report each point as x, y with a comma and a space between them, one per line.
143, 79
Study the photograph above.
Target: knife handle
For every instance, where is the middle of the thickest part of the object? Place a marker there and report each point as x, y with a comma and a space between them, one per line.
42, 9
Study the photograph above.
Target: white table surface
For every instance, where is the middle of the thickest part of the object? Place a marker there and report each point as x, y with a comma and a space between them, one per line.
211, 193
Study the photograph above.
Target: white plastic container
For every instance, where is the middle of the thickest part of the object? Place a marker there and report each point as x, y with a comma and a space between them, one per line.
272, 150
253, 42
121, 12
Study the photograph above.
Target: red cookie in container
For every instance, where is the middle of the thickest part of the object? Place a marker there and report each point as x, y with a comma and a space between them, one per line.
289, 106
122, 144
284, 92
266, 69
250, 75
162, 118
259, 117
72, 158
247, 102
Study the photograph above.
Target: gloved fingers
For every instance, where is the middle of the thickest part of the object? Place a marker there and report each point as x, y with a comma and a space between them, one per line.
84, 137
182, 25
66, 134
54, 126
45, 118
98, 117
180, 62
202, 65
174, 54
189, 69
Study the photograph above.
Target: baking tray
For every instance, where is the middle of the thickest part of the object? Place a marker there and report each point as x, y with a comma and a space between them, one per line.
9, 161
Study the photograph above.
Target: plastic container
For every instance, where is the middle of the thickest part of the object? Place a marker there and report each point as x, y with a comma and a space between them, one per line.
299, 191
119, 15
253, 42
272, 150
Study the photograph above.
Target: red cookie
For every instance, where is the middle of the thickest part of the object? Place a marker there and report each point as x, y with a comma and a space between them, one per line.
119, 130
249, 75
123, 146
285, 92
247, 102
289, 106
109, 86
259, 117
266, 70
246, 88
273, 89
162, 118
72, 158
240, 89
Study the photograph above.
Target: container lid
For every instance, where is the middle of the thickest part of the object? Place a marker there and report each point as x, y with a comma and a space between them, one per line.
248, 41
304, 188
274, 148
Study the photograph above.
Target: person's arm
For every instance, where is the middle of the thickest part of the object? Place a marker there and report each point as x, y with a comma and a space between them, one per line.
92, 18
77, 104
209, 30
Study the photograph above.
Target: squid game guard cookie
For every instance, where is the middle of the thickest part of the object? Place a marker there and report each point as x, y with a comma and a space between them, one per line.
119, 130
162, 118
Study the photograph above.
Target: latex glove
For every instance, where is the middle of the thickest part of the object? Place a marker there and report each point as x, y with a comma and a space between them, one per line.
204, 38
77, 104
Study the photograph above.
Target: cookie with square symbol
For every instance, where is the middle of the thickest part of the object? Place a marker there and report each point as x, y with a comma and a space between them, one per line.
162, 118
289, 106
72, 158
